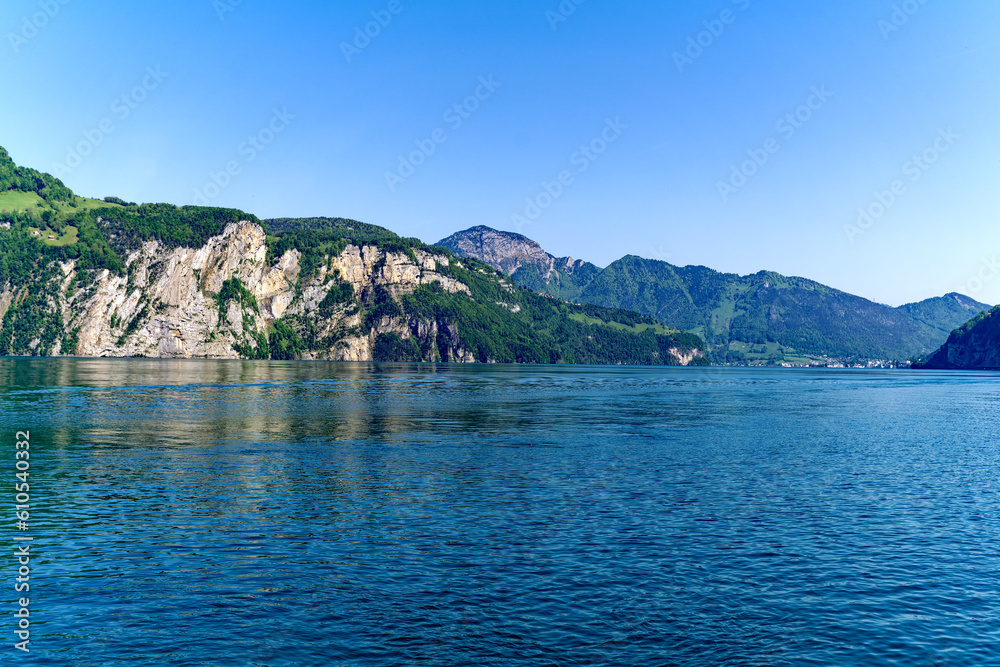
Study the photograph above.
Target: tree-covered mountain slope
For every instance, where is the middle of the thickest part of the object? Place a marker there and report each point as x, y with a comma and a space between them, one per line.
940, 313
111, 278
973, 346
756, 318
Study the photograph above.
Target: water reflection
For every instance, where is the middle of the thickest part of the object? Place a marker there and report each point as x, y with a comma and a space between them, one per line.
271, 513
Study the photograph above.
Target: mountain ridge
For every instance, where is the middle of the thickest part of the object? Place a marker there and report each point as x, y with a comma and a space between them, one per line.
512, 253
84, 277
744, 319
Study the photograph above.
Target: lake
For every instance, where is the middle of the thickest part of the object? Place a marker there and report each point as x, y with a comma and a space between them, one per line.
272, 513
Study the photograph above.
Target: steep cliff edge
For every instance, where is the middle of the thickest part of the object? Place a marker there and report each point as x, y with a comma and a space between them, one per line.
243, 294
167, 303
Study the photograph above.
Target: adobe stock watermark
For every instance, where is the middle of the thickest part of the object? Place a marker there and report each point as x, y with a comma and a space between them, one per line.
714, 29
787, 127
121, 109
455, 116
363, 37
32, 25
900, 16
248, 150
989, 270
223, 7
562, 13
914, 169
582, 159
22, 554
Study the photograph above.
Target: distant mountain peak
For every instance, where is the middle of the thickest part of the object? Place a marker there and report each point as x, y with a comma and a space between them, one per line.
516, 254
964, 300
764, 316
505, 251
483, 229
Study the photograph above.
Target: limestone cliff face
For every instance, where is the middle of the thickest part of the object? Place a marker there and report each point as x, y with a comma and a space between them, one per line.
167, 306
232, 298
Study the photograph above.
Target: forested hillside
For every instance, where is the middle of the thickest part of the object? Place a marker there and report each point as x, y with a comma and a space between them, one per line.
113, 278
761, 318
973, 346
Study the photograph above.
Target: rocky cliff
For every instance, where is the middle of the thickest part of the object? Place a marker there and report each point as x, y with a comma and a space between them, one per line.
524, 259
242, 294
167, 303
89, 277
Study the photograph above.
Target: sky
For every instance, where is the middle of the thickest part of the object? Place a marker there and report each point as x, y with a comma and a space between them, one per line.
854, 143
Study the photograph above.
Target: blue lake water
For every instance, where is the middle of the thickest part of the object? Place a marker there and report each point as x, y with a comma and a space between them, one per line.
268, 513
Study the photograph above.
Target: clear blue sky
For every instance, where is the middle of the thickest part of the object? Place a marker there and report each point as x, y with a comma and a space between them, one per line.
678, 125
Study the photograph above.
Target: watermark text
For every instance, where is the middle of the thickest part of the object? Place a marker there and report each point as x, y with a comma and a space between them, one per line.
913, 169
786, 127
363, 36
714, 29
248, 151
562, 13
455, 117
901, 15
121, 108
581, 159
22, 546
32, 25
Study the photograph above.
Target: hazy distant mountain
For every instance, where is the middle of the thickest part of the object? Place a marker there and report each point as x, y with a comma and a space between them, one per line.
939, 312
765, 316
974, 346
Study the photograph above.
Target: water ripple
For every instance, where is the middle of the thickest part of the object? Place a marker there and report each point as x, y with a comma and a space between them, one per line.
269, 513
